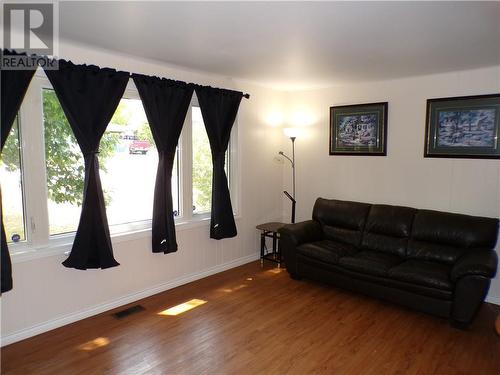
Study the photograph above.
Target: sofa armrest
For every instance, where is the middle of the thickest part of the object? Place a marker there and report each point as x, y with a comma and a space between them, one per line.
299, 233
481, 262
293, 235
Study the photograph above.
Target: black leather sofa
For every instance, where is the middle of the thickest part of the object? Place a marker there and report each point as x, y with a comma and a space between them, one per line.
437, 262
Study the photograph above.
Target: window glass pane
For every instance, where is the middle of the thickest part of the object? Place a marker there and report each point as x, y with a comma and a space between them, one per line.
128, 161
65, 167
129, 169
202, 165
12, 189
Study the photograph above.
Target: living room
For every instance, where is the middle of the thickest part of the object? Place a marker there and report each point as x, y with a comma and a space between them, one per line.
203, 301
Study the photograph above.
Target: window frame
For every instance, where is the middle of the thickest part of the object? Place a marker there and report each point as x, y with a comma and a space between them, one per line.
39, 243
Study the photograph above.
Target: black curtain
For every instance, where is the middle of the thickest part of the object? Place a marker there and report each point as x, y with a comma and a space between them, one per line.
219, 108
14, 85
89, 96
166, 103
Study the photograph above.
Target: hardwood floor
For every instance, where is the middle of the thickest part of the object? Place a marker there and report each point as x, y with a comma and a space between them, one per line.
259, 321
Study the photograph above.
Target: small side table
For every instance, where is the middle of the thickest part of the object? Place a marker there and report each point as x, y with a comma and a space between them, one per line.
270, 230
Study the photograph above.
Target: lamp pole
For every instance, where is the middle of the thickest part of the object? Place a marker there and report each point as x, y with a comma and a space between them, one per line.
293, 166
292, 135
293, 179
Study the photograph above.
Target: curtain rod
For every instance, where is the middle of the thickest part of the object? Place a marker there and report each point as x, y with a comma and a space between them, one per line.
246, 96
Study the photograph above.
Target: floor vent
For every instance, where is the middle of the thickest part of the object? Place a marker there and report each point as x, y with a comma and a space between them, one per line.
128, 311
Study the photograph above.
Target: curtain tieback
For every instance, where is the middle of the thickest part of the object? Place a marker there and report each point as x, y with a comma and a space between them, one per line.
167, 152
90, 153
219, 157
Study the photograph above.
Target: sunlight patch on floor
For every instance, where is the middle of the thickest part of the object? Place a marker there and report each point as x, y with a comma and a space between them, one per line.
183, 307
275, 270
229, 290
94, 344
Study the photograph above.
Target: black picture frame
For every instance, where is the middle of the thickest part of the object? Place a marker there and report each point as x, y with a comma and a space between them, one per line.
359, 129
463, 127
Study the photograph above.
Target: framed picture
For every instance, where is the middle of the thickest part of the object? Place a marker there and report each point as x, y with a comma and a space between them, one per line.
359, 129
463, 127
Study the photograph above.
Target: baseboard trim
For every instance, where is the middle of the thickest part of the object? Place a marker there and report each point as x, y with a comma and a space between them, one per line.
98, 309
494, 300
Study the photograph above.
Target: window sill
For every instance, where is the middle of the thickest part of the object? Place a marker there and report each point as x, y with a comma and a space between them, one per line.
24, 252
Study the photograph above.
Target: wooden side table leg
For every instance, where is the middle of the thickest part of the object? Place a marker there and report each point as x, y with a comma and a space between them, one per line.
276, 249
262, 246
275, 238
280, 259
497, 324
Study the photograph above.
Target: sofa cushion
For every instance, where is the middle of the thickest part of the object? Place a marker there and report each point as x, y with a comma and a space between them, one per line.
326, 251
371, 262
341, 221
434, 252
444, 237
387, 229
339, 270
431, 274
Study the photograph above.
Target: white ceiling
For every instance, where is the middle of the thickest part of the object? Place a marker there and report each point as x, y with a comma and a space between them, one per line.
295, 44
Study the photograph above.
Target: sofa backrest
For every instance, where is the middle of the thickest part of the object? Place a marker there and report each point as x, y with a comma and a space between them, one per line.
388, 228
444, 237
342, 221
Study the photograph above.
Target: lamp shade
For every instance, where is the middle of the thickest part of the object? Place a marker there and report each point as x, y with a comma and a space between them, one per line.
291, 132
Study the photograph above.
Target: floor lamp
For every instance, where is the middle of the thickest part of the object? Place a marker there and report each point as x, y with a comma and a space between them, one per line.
292, 134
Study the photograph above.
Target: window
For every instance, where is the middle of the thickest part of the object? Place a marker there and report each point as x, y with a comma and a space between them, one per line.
12, 186
128, 162
47, 212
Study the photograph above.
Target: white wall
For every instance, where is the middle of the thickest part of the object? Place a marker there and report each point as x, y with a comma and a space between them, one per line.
47, 295
403, 177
